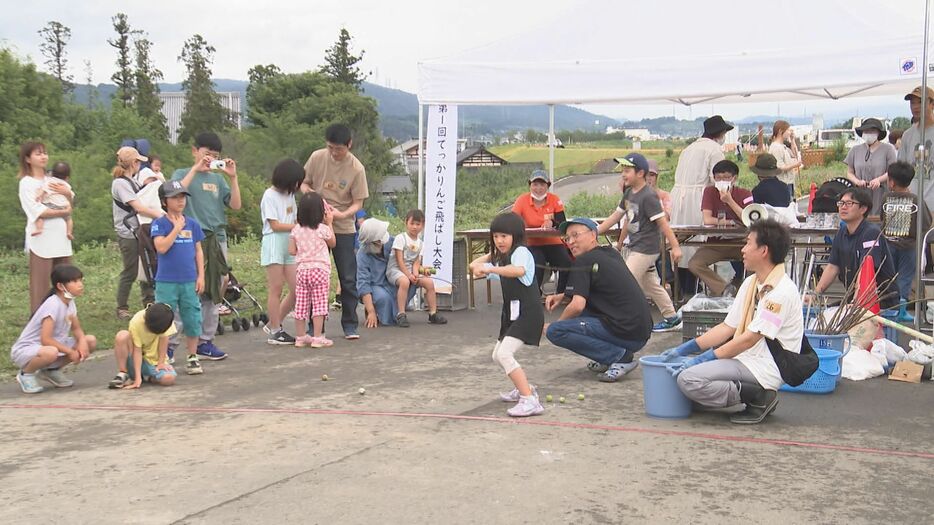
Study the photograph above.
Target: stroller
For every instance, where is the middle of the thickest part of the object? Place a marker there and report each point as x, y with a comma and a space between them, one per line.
234, 293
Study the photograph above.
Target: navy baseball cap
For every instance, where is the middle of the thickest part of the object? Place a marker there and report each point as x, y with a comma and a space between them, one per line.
589, 223
634, 160
172, 188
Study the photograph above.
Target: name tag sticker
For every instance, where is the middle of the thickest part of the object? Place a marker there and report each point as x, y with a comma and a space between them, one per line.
747, 200
209, 186
775, 308
870, 244
513, 310
184, 234
772, 319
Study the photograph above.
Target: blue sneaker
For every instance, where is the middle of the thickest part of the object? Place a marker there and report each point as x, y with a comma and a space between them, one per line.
171, 354
668, 325
209, 351
28, 383
351, 334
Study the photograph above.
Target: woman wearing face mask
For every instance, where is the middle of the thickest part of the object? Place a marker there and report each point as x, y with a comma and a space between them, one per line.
785, 150
867, 163
540, 208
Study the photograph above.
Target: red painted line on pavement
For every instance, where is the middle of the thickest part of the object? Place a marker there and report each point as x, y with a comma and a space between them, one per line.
490, 419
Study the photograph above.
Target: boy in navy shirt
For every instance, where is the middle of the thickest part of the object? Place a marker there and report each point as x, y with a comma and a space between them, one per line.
180, 271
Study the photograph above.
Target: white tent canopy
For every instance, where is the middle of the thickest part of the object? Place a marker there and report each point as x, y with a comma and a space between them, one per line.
663, 51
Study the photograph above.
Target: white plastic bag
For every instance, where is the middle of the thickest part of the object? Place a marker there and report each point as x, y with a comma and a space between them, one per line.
890, 352
920, 353
859, 364
702, 303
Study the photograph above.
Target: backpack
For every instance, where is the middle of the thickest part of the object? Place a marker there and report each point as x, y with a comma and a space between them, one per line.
826, 197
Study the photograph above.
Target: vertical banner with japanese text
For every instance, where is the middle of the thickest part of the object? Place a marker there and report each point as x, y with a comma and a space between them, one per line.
440, 179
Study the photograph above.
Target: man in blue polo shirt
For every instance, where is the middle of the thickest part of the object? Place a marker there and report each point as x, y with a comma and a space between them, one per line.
856, 238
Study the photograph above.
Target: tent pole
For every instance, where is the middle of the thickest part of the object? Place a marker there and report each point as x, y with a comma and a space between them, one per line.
922, 173
551, 143
421, 160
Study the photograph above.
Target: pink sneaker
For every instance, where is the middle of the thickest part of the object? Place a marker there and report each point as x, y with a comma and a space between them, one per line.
321, 342
304, 340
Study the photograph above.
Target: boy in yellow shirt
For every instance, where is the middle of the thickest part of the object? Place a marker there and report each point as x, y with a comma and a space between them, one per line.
144, 347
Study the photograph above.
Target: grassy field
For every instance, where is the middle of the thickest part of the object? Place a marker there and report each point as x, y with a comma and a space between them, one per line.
580, 159
96, 308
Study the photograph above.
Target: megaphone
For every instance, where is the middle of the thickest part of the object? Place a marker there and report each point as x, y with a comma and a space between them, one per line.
753, 213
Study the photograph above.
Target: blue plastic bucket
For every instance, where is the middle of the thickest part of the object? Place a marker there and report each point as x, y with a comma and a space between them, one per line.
888, 332
830, 350
660, 392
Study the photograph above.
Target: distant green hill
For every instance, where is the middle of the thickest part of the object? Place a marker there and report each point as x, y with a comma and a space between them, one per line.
399, 111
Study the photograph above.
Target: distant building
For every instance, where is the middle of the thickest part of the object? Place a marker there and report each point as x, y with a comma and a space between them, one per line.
406, 154
394, 185
479, 157
173, 105
633, 133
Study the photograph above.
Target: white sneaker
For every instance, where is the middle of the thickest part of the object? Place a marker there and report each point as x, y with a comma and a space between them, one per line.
56, 377
28, 383
527, 406
513, 397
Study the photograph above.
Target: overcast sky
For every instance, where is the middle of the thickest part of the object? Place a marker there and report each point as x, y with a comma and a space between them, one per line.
294, 34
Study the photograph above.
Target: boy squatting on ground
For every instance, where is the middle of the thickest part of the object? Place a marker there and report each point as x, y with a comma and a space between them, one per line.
142, 350
404, 269
180, 271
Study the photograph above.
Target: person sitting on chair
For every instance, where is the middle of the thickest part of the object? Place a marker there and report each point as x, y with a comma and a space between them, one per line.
856, 239
728, 200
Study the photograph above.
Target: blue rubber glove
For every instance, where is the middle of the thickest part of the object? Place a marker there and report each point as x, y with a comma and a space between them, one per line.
703, 358
686, 348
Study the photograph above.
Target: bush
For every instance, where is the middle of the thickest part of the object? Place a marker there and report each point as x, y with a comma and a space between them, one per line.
669, 153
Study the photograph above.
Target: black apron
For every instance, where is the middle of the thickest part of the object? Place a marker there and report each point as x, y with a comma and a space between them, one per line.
528, 325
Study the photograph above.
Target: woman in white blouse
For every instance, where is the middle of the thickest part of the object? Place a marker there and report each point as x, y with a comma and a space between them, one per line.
787, 156
51, 246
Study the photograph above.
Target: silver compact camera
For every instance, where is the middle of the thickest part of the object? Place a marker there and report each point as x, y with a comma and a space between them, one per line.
218, 165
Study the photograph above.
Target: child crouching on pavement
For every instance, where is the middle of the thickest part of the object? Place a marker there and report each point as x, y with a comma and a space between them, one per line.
142, 350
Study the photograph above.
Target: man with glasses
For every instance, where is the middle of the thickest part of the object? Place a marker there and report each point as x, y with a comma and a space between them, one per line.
608, 318
340, 178
857, 238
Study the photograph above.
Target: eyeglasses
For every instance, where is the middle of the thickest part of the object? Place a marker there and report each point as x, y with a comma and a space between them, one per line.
574, 236
846, 204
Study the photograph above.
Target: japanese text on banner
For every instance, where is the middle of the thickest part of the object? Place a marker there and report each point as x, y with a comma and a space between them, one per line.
440, 179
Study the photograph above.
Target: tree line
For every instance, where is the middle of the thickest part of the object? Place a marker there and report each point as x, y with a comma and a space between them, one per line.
287, 115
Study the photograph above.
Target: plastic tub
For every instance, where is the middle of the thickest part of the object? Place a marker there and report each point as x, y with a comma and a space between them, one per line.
830, 350
660, 392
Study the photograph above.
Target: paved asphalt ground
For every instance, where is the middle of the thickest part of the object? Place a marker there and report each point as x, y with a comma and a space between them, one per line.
260, 438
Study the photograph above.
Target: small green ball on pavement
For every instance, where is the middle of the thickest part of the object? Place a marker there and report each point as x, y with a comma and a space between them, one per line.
548, 398
561, 399
324, 377
362, 391
580, 397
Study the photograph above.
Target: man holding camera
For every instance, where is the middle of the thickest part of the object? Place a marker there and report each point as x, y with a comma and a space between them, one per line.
210, 196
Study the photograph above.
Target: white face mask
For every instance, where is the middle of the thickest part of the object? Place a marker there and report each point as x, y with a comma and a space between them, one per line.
68, 295
870, 138
540, 196
723, 185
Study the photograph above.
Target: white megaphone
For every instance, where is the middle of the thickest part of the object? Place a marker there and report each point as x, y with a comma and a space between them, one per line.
753, 213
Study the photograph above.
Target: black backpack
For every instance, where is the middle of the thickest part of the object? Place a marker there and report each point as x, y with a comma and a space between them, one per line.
825, 200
